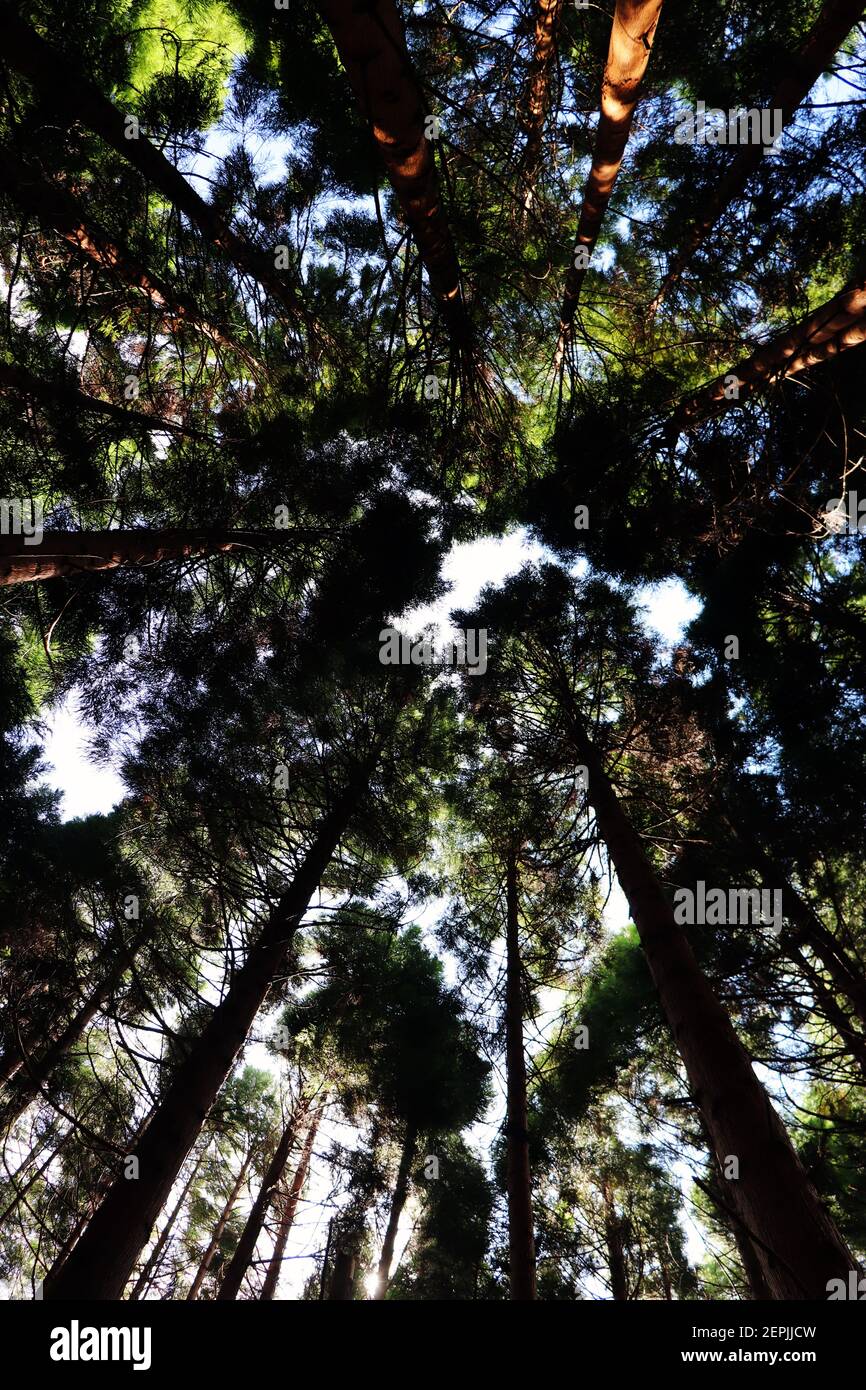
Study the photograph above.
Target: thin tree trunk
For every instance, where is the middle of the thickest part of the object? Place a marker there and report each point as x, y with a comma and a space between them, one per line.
102, 1261
63, 393
631, 38
242, 1257
22, 1191
798, 1245
398, 1202
371, 44
54, 208
809, 929
835, 327
65, 89
213, 1245
39, 1069
64, 554
547, 16
153, 1260
831, 28
290, 1207
521, 1242
614, 1242
853, 1042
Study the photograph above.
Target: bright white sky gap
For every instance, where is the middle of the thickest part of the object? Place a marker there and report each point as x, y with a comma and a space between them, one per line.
89, 788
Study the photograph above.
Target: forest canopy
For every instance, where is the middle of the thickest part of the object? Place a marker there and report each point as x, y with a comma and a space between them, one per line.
437, 947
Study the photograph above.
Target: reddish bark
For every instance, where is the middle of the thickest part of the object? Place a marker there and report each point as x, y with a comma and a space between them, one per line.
63, 88
538, 92
103, 1259
64, 554
833, 328
371, 43
797, 1244
290, 1207
213, 1243
32, 388
56, 209
242, 1257
631, 39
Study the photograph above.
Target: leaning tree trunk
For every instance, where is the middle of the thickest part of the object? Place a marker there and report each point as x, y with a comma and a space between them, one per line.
398, 1202
101, 1263
834, 23
290, 1207
835, 327
242, 1257
808, 928
54, 208
631, 39
65, 554
66, 395
63, 88
213, 1243
853, 1041
538, 92
39, 1069
152, 1262
758, 1286
22, 1189
521, 1241
797, 1243
371, 43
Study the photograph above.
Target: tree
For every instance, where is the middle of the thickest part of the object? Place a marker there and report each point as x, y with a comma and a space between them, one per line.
631, 39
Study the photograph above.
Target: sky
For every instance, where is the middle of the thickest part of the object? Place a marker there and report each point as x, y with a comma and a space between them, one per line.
88, 787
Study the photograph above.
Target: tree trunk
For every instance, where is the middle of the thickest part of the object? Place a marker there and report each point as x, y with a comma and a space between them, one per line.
614, 1242
809, 929
834, 23
290, 1206
101, 1263
538, 92
213, 1246
631, 39
54, 208
64, 554
343, 1278
796, 1241
853, 1041
62, 88
758, 1287
371, 44
68, 1245
39, 1069
240, 1261
521, 1242
64, 393
401, 1191
833, 328
12, 1179
152, 1262
747, 1252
